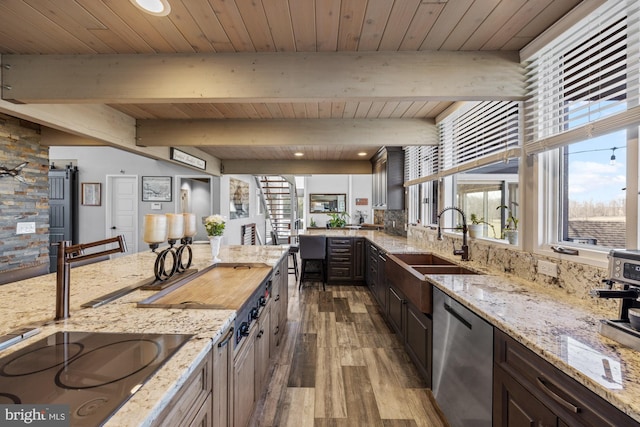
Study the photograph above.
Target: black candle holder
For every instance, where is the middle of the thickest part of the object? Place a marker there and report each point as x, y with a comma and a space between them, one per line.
179, 265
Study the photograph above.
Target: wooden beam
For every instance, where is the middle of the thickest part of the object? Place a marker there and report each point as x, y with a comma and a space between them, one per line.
295, 167
278, 132
263, 77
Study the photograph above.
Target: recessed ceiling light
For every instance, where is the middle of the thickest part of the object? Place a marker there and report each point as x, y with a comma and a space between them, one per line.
298, 154
362, 153
153, 7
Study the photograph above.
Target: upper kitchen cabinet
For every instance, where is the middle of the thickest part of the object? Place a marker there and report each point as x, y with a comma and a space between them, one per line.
388, 178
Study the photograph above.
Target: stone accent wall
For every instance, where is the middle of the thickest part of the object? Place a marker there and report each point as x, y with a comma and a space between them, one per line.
23, 255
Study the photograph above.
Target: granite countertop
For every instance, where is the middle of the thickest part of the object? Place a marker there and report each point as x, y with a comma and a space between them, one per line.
31, 302
562, 328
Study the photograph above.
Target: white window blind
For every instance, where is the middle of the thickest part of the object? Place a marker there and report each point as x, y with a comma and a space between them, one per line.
477, 134
420, 162
586, 82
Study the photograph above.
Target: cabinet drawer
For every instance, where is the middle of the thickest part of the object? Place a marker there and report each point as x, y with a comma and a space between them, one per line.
339, 242
341, 272
340, 259
570, 400
340, 251
189, 399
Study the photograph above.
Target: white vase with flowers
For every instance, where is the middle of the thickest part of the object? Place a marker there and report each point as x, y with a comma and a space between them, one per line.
214, 224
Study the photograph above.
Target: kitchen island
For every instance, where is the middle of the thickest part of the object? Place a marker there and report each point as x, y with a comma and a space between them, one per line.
561, 328
32, 303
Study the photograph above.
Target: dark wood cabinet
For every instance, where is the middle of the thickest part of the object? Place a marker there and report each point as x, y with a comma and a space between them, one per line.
418, 340
413, 327
396, 310
388, 179
371, 258
515, 406
345, 256
528, 390
358, 259
381, 283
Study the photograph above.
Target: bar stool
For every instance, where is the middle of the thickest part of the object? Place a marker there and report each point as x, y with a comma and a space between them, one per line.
313, 249
293, 253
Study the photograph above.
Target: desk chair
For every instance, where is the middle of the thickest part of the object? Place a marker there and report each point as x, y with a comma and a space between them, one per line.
313, 249
293, 252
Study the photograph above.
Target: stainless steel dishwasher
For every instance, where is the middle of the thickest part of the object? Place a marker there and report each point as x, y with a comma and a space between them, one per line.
462, 363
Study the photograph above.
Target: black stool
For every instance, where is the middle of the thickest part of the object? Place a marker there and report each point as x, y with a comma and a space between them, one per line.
313, 249
293, 252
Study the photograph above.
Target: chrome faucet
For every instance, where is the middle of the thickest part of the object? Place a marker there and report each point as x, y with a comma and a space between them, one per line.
464, 251
68, 254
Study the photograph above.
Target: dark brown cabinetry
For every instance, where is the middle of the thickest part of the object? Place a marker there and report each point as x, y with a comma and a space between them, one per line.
414, 329
345, 256
388, 179
530, 391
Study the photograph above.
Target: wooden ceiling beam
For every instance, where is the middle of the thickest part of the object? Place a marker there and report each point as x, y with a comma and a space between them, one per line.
263, 77
278, 132
295, 167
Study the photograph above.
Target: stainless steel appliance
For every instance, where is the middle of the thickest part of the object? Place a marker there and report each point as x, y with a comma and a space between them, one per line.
462, 363
624, 270
94, 373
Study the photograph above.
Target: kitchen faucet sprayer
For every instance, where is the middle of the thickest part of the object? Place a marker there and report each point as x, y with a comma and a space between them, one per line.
68, 254
464, 251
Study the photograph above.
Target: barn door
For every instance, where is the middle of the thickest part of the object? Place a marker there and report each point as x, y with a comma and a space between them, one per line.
63, 208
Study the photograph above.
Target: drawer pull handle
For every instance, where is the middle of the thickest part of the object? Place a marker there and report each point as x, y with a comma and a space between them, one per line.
226, 339
545, 387
457, 315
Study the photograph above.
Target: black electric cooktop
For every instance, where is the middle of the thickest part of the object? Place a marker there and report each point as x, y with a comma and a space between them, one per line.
93, 372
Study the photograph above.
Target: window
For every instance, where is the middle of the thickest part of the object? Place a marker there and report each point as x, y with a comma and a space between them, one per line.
592, 197
481, 191
583, 96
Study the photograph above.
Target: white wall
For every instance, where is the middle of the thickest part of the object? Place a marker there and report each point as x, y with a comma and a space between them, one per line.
233, 227
354, 186
94, 164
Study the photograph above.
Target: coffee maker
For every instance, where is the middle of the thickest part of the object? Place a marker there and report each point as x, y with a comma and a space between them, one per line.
624, 269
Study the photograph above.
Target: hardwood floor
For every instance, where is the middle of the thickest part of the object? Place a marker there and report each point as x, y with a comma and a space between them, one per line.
341, 365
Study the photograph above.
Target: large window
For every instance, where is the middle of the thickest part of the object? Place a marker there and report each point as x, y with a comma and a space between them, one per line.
480, 193
593, 197
583, 96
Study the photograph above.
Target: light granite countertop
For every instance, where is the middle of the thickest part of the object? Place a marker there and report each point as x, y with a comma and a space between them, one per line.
561, 328
31, 302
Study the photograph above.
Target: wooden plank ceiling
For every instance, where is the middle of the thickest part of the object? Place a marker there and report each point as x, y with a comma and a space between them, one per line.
244, 26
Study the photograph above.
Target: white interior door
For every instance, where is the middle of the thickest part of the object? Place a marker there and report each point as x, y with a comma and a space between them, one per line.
122, 209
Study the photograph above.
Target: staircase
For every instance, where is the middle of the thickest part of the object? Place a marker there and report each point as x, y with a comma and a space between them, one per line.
279, 196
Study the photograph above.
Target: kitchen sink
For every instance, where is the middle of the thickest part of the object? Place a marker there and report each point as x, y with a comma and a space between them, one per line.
422, 259
442, 269
407, 272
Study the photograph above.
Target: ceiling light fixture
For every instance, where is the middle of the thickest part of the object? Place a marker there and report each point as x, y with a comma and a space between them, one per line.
362, 153
298, 154
153, 7
613, 156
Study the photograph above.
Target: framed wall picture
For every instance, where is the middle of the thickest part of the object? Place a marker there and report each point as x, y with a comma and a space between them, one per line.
91, 194
156, 188
239, 199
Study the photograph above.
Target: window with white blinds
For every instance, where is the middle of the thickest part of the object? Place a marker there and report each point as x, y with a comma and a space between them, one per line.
478, 134
586, 82
420, 161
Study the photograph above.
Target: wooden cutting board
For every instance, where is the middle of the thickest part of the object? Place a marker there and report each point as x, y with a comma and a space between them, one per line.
222, 287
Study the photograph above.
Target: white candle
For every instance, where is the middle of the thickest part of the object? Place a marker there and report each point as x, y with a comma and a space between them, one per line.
155, 228
176, 226
189, 224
